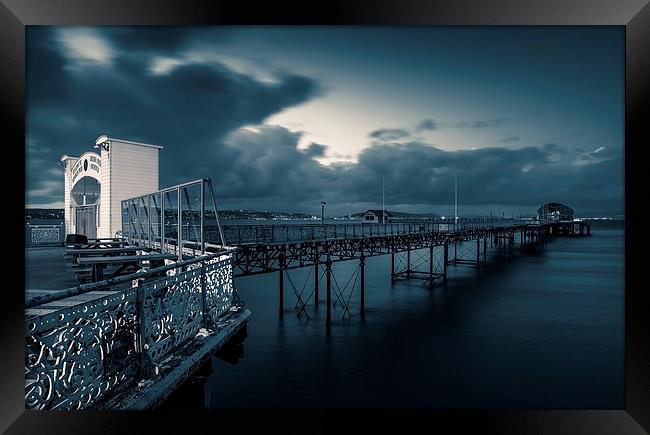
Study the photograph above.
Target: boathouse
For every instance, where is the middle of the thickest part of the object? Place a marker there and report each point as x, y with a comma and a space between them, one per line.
375, 217
554, 211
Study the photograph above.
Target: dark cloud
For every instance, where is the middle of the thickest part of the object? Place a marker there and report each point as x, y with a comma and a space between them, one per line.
189, 110
426, 124
315, 150
511, 138
388, 134
157, 39
269, 170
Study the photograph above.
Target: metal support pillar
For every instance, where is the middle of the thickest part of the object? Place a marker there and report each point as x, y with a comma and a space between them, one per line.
446, 260
281, 284
328, 275
478, 252
392, 266
485, 250
316, 279
408, 262
455, 250
362, 282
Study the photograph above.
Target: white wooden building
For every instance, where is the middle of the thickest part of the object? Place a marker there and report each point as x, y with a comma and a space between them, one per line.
375, 217
97, 182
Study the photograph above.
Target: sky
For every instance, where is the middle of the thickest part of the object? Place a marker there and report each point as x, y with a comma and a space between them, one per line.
282, 118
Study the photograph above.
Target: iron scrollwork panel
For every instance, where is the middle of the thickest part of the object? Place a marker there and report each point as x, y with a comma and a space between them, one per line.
218, 276
173, 306
172, 312
74, 357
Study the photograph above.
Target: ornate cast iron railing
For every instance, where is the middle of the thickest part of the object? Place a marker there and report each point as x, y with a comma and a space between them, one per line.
81, 355
38, 234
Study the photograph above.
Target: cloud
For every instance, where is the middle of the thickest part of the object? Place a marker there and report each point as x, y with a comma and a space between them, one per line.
268, 170
426, 124
511, 138
593, 157
388, 134
189, 109
315, 150
477, 124
47, 187
393, 134
85, 46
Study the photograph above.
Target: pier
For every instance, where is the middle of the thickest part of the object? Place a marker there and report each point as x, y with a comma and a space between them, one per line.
263, 249
422, 251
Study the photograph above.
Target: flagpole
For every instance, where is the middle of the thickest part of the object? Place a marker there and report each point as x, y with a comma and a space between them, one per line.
383, 202
455, 198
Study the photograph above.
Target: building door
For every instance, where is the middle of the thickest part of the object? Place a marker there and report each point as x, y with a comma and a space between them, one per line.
86, 221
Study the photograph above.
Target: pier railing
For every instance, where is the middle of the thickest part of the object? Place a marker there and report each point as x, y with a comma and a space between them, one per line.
246, 234
154, 218
78, 355
43, 235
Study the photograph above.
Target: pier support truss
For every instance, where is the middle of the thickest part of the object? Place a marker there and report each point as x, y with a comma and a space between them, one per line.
424, 256
426, 264
470, 253
339, 291
503, 244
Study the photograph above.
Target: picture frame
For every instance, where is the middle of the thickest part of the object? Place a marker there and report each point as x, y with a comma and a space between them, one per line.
634, 15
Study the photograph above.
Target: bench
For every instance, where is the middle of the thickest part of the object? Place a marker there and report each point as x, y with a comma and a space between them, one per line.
124, 263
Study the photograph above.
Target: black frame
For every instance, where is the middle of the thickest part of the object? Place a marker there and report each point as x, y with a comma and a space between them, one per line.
633, 14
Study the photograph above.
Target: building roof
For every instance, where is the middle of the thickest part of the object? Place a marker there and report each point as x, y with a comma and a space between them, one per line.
378, 212
104, 138
553, 206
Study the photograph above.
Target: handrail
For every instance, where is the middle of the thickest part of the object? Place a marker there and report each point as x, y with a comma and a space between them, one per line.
142, 273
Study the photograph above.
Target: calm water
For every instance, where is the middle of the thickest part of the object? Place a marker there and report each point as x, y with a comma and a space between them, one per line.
539, 330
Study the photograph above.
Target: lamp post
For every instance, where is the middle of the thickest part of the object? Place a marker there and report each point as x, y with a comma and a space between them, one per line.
322, 212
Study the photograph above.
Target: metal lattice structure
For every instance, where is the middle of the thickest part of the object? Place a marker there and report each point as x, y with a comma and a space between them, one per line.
273, 256
554, 211
154, 219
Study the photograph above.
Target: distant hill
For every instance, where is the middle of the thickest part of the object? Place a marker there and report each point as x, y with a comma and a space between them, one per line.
401, 215
263, 215
43, 213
